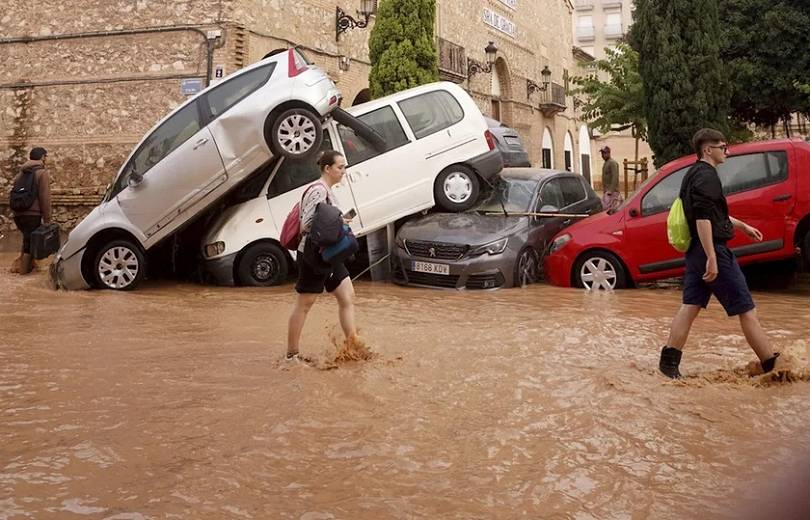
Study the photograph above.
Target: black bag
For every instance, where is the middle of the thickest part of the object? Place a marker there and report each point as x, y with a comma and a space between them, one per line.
44, 241
25, 190
327, 225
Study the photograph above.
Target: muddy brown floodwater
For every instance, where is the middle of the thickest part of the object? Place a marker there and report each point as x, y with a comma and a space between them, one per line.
172, 402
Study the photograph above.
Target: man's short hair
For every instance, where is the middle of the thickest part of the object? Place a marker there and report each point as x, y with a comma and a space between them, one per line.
705, 136
37, 154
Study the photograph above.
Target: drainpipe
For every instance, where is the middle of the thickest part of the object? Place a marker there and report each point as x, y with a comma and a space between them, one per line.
210, 42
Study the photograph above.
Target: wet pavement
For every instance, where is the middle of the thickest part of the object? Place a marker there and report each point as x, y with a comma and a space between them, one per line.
172, 402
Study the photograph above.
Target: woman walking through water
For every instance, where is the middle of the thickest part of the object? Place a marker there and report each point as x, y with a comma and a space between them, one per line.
315, 275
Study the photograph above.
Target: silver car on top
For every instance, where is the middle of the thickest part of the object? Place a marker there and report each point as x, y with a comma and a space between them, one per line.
190, 159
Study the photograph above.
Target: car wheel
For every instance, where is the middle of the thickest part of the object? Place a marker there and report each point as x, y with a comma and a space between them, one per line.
120, 265
526, 268
806, 251
599, 270
296, 134
262, 265
456, 188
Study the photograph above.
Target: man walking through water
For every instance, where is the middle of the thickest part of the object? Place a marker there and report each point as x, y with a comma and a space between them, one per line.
711, 267
611, 197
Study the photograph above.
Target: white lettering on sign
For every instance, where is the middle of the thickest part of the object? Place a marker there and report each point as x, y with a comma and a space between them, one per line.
512, 4
499, 22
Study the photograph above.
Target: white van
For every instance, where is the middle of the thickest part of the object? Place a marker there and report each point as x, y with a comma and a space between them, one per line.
439, 151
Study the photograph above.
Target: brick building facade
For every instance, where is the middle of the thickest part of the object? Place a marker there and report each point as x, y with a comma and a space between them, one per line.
86, 79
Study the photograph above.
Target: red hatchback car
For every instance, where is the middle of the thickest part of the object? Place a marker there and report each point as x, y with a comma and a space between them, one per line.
767, 185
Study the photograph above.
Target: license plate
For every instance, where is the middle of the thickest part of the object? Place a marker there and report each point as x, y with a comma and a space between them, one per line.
427, 267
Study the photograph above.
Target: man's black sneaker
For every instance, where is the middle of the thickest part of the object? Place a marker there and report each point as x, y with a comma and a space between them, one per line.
769, 363
670, 359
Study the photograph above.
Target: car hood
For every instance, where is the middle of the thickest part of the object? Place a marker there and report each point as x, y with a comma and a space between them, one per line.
461, 228
602, 222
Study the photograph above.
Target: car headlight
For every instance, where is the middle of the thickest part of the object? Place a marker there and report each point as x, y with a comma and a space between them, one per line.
559, 242
214, 249
493, 248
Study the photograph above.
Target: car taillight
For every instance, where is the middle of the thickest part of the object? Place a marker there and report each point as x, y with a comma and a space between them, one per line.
296, 64
490, 139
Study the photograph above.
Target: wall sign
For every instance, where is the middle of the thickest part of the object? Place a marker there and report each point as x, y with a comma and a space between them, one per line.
499, 22
511, 4
189, 87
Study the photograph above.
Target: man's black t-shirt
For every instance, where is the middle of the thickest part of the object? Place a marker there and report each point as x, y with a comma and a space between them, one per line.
702, 197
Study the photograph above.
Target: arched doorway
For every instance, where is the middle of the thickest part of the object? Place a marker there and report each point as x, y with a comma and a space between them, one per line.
548, 149
585, 153
568, 148
362, 97
501, 89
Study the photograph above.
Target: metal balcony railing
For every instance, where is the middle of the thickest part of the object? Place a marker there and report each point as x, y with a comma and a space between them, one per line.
585, 33
614, 31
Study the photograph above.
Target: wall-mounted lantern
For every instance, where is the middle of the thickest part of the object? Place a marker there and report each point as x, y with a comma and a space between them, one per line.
532, 87
344, 22
474, 67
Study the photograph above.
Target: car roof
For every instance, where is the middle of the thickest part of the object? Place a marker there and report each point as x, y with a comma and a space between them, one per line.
532, 174
404, 94
740, 149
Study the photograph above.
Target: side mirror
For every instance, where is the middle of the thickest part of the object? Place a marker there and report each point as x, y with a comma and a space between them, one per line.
134, 179
633, 212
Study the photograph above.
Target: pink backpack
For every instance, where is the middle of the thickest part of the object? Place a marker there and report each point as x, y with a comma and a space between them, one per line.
291, 230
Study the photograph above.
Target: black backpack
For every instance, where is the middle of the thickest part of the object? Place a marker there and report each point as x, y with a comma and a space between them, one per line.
25, 190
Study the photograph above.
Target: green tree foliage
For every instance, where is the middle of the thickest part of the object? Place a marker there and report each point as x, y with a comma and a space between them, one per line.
402, 47
617, 103
766, 46
685, 85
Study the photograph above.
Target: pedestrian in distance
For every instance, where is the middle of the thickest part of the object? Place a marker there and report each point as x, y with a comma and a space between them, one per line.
314, 274
611, 198
30, 201
711, 267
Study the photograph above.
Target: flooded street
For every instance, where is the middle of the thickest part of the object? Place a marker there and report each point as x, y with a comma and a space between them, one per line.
172, 402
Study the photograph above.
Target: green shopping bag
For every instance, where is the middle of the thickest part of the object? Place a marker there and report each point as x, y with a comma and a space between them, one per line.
677, 227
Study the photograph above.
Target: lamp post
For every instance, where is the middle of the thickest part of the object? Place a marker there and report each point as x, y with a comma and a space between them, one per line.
344, 22
532, 87
474, 67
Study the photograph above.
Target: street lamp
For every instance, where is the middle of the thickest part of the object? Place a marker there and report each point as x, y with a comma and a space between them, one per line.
344, 22
532, 87
474, 67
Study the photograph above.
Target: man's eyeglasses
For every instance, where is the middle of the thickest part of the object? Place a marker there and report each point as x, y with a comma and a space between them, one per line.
723, 147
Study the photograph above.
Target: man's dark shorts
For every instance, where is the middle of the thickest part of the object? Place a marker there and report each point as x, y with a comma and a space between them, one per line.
730, 287
314, 279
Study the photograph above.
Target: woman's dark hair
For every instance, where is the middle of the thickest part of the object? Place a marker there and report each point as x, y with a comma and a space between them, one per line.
704, 136
328, 158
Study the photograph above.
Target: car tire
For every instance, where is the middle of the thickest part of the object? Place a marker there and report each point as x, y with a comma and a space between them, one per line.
456, 189
360, 128
119, 265
599, 270
262, 265
296, 133
527, 268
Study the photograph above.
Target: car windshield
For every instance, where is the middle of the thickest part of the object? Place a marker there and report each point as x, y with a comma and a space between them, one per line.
514, 195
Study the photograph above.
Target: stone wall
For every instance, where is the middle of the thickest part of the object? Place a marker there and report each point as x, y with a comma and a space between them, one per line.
89, 98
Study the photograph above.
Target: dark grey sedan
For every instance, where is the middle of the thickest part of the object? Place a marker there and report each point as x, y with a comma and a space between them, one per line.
496, 243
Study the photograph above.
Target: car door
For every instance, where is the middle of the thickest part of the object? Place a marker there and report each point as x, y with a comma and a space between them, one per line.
550, 200
239, 135
646, 227
383, 184
760, 193
172, 169
290, 179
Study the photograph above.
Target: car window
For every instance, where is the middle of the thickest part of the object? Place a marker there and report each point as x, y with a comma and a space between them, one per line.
229, 93
663, 194
746, 172
294, 173
551, 195
175, 131
385, 122
572, 190
431, 112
